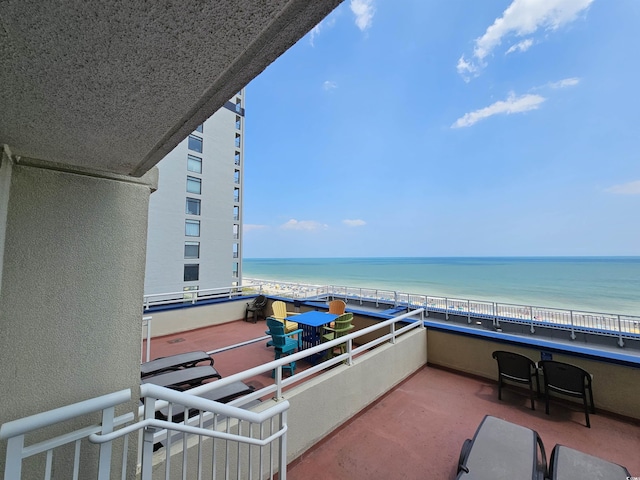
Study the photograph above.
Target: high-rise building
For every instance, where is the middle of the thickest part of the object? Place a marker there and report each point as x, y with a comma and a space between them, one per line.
195, 236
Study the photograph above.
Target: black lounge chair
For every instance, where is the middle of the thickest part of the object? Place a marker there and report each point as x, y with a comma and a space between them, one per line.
183, 379
223, 395
569, 464
174, 362
514, 367
256, 308
502, 449
570, 380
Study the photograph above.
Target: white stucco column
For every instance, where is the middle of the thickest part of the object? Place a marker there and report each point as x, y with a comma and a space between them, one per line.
72, 259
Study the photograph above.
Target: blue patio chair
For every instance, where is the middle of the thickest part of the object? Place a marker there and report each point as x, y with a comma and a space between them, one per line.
284, 343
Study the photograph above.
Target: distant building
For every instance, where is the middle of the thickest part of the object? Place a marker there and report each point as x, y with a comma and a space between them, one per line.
195, 236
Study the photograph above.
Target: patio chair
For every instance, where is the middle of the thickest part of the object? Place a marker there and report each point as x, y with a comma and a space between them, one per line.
517, 368
280, 313
566, 462
337, 307
256, 308
342, 327
570, 380
283, 342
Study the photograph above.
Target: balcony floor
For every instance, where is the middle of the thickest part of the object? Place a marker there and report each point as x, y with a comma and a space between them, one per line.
416, 430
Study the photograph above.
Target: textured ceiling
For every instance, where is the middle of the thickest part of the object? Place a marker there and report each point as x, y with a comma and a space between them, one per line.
114, 86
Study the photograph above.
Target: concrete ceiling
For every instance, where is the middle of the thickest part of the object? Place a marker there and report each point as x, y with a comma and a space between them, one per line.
114, 86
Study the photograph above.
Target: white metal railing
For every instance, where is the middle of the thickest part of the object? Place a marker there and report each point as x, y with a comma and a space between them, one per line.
192, 296
226, 423
574, 321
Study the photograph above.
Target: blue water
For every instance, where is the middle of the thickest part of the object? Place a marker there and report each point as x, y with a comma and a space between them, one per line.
599, 284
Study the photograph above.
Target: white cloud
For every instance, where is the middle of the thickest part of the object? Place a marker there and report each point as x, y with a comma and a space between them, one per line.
328, 22
249, 227
364, 11
630, 188
520, 19
294, 224
354, 223
329, 85
512, 104
315, 31
522, 46
567, 82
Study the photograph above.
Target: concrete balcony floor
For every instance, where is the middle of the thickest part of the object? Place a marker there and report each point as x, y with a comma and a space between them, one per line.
416, 430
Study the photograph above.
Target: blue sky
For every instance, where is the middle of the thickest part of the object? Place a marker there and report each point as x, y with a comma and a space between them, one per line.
449, 128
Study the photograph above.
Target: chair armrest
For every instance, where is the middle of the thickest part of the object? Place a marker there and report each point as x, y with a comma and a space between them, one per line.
292, 313
325, 328
295, 332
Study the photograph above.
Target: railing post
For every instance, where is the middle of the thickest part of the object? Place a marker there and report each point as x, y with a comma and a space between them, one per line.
350, 355
573, 332
278, 380
282, 467
104, 462
13, 467
146, 465
392, 327
620, 340
468, 312
446, 308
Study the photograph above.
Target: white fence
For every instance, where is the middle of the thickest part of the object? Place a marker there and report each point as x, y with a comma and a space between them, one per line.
239, 442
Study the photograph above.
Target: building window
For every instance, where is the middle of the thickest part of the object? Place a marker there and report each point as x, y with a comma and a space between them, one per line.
194, 185
195, 143
236, 231
236, 176
199, 128
235, 250
237, 158
237, 140
190, 293
236, 195
194, 164
236, 213
238, 122
238, 105
234, 273
191, 249
192, 228
191, 273
193, 206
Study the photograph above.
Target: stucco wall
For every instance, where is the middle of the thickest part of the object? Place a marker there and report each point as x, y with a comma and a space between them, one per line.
197, 316
616, 388
72, 286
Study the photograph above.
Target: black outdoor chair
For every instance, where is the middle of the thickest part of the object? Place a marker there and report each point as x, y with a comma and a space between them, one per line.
516, 368
256, 308
570, 380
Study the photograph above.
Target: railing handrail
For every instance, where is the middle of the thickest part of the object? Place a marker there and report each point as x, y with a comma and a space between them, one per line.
28, 424
294, 357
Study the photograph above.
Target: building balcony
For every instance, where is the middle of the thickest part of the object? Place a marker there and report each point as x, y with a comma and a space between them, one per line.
400, 409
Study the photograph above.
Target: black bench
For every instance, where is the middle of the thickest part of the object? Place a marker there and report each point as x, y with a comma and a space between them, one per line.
223, 395
183, 379
174, 362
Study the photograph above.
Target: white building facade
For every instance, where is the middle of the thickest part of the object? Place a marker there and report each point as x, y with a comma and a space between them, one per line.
195, 218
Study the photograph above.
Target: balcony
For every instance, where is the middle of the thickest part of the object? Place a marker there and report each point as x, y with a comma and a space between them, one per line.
404, 418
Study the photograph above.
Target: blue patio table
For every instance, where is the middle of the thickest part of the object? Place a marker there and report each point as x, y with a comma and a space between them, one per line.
311, 324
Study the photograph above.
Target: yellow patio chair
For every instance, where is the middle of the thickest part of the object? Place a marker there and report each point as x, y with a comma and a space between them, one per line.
280, 313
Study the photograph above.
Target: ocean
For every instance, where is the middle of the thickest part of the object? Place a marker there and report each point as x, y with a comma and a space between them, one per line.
596, 284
